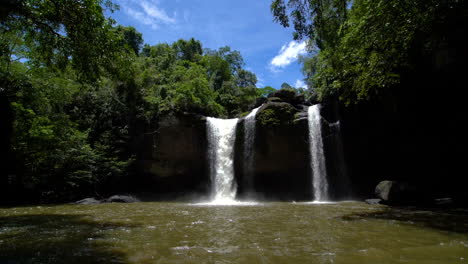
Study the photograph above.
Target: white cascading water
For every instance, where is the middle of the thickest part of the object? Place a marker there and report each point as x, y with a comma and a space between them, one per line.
319, 173
221, 139
249, 141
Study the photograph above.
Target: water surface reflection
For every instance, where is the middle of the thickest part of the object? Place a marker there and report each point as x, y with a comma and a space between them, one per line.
348, 232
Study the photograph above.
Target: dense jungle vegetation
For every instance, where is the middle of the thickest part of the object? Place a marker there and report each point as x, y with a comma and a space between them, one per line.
74, 85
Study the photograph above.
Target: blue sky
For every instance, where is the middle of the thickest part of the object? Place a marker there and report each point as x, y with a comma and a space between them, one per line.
244, 25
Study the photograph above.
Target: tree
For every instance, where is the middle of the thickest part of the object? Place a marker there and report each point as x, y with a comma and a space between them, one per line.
245, 78
53, 54
132, 39
218, 70
233, 58
286, 86
319, 20
265, 91
59, 32
365, 48
189, 50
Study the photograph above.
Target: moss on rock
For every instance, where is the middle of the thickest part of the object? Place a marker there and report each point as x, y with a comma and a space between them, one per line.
286, 95
276, 114
274, 99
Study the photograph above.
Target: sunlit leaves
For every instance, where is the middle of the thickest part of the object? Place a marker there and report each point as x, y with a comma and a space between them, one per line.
375, 43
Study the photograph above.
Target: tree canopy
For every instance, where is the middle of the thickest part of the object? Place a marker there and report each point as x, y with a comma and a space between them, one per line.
364, 46
59, 32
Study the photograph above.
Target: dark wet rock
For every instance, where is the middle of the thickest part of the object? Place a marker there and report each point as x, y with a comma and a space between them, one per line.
172, 158
444, 201
397, 192
301, 116
287, 96
259, 101
299, 99
404, 193
89, 201
373, 201
121, 199
281, 155
274, 100
384, 190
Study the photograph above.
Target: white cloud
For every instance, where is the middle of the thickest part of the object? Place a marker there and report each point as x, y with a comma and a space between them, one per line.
154, 12
288, 54
147, 13
300, 84
141, 17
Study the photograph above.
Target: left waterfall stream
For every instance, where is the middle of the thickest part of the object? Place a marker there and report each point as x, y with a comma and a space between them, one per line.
221, 139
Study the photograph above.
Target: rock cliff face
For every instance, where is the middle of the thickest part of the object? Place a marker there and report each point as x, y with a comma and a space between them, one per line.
281, 154
173, 160
281, 151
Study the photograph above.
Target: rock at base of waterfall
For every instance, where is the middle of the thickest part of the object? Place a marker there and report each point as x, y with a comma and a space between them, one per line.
373, 201
402, 193
88, 201
389, 190
444, 201
121, 199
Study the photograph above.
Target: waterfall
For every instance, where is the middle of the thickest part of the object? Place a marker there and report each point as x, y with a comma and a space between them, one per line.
319, 172
249, 152
221, 138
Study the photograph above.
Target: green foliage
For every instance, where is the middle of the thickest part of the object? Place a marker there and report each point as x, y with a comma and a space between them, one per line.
63, 32
286, 86
188, 50
130, 38
81, 90
265, 91
366, 47
276, 114
318, 20
68, 138
179, 78
53, 154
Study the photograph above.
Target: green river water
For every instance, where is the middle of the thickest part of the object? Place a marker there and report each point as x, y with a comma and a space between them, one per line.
350, 232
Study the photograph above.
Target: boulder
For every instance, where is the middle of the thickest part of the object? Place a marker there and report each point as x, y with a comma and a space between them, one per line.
301, 116
121, 199
388, 190
275, 114
402, 193
288, 96
274, 100
259, 101
373, 201
444, 201
89, 201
